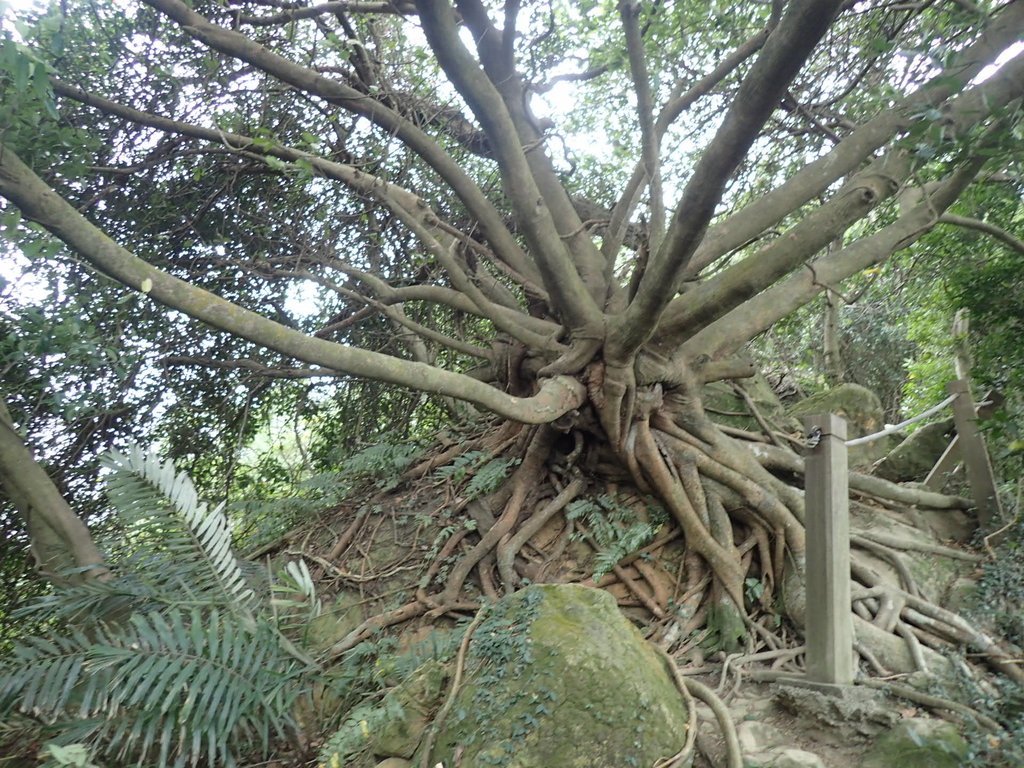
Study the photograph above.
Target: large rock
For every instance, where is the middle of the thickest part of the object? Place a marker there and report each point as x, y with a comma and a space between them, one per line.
413, 701
555, 676
918, 743
393, 727
914, 458
861, 409
784, 758
725, 406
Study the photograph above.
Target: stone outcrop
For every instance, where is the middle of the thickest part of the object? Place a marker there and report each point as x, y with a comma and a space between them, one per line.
914, 457
555, 676
918, 742
861, 409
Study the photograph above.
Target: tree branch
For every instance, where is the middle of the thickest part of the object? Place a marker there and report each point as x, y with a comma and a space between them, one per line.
40, 203
564, 284
495, 52
711, 300
677, 104
995, 231
784, 53
60, 541
401, 201
730, 332
629, 10
814, 178
311, 11
241, 47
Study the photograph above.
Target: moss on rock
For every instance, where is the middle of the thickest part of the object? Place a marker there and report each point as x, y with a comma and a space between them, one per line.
725, 406
556, 676
918, 743
914, 457
861, 409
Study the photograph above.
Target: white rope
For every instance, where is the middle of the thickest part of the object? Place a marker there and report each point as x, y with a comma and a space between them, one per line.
897, 427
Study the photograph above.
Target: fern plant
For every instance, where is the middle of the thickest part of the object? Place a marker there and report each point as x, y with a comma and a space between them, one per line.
176, 660
615, 529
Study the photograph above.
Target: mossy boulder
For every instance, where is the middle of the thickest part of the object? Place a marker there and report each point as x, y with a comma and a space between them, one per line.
414, 701
918, 743
861, 409
392, 727
914, 457
336, 621
725, 406
556, 676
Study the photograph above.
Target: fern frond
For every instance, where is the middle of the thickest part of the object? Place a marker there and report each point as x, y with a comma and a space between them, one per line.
174, 686
488, 477
185, 530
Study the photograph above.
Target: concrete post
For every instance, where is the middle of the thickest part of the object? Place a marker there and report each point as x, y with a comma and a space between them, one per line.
829, 620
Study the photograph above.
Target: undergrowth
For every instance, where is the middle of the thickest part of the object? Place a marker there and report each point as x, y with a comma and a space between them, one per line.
999, 604
614, 528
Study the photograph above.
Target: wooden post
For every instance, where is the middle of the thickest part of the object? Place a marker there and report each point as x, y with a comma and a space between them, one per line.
950, 459
829, 620
945, 466
975, 455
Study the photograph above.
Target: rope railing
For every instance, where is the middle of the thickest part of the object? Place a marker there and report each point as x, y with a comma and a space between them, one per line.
897, 427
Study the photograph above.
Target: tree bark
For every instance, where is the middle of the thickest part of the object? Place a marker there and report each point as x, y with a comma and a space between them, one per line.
63, 549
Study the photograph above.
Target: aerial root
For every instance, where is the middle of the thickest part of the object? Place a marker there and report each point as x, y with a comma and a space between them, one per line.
733, 755
723, 563
374, 624
509, 547
522, 481
892, 557
771, 457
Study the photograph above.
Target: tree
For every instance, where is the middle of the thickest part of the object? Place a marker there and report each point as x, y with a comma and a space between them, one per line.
392, 157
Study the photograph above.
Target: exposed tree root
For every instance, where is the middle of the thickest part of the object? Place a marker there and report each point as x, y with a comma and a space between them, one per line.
733, 754
932, 702
775, 458
509, 547
427, 746
743, 538
681, 757
375, 624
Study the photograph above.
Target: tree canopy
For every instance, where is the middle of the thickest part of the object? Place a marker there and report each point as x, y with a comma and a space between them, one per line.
393, 215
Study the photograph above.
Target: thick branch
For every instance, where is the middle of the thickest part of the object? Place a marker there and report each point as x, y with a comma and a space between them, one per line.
995, 231
772, 457
561, 279
312, 11
734, 329
42, 204
60, 540
496, 55
814, 178
241, 47
799, 31
650, 142
677, 104
532, 331
710, 300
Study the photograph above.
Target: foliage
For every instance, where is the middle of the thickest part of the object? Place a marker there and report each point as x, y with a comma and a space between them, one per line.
366, 218
353, 737
999, 605
615, 528
383, 461
176, 658
476, 473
